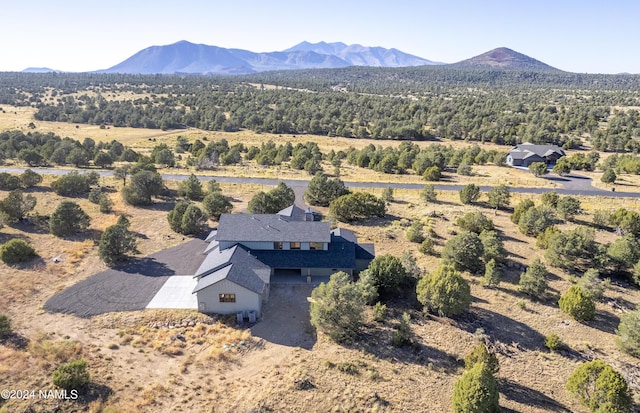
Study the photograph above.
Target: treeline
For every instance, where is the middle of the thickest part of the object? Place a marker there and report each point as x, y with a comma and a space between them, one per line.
42, 149
409, 104
428, 162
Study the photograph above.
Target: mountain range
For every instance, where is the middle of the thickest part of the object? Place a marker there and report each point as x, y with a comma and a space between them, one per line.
189, 58
184, 57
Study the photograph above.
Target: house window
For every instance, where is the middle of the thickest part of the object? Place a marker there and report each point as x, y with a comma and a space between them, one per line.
294, 245
316, 246
227, 298
277, 245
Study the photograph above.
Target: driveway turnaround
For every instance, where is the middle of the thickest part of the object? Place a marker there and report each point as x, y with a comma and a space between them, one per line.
177, 292
129, 287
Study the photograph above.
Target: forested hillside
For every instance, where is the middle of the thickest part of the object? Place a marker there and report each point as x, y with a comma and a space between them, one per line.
419, 103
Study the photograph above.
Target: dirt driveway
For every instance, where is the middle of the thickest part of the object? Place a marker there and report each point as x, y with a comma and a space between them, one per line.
285, 318
128, 287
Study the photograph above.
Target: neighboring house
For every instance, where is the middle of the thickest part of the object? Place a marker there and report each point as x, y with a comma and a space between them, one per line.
527, 153
246, 250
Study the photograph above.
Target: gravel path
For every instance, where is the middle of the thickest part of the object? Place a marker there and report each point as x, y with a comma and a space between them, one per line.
129, 287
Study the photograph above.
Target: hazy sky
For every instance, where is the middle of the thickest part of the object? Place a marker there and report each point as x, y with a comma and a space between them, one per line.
83, 35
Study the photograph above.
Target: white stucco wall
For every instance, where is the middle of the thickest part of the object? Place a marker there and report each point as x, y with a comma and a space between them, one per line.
246, 300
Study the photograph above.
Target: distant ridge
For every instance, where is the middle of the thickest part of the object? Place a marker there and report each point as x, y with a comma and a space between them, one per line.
505, 59
190, 58
40, 70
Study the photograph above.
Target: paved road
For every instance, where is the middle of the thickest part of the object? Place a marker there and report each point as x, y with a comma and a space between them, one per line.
129, 287
573, 184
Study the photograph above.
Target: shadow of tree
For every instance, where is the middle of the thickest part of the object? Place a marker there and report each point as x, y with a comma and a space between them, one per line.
605, 321
15, 340
502, 328
93, 392
145, 266
528, 396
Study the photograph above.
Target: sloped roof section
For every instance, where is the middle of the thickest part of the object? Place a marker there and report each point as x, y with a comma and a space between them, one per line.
240, 268
527, 150
270, 228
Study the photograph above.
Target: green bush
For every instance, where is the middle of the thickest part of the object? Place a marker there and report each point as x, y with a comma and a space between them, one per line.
552, 342
191, 188
216, 204
95, 194
609, 176
106, 204
387, 273
469, 194
428, 193
534, 280
444, 291
499, 196
322, 191
535, 220
475, 222
520, 209
30, 178
542, 240
337, 308
550, 198
186, 218
74, 183
115, 243
71, 375
415, 233
480, 354
68, 219
538, 169
600, 388
426, 247
464, 251
493, 246
16, 251
492, 274
568, 207
591, 283
578, 304
432, 173
355, 206
629, 333
402, 335
476, 391
273, 201
5, 326
379, 312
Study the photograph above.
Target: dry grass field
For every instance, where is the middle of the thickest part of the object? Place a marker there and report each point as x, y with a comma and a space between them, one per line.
137, 364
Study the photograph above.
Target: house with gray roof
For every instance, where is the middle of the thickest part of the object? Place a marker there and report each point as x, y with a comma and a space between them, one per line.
527, 153
247, 251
